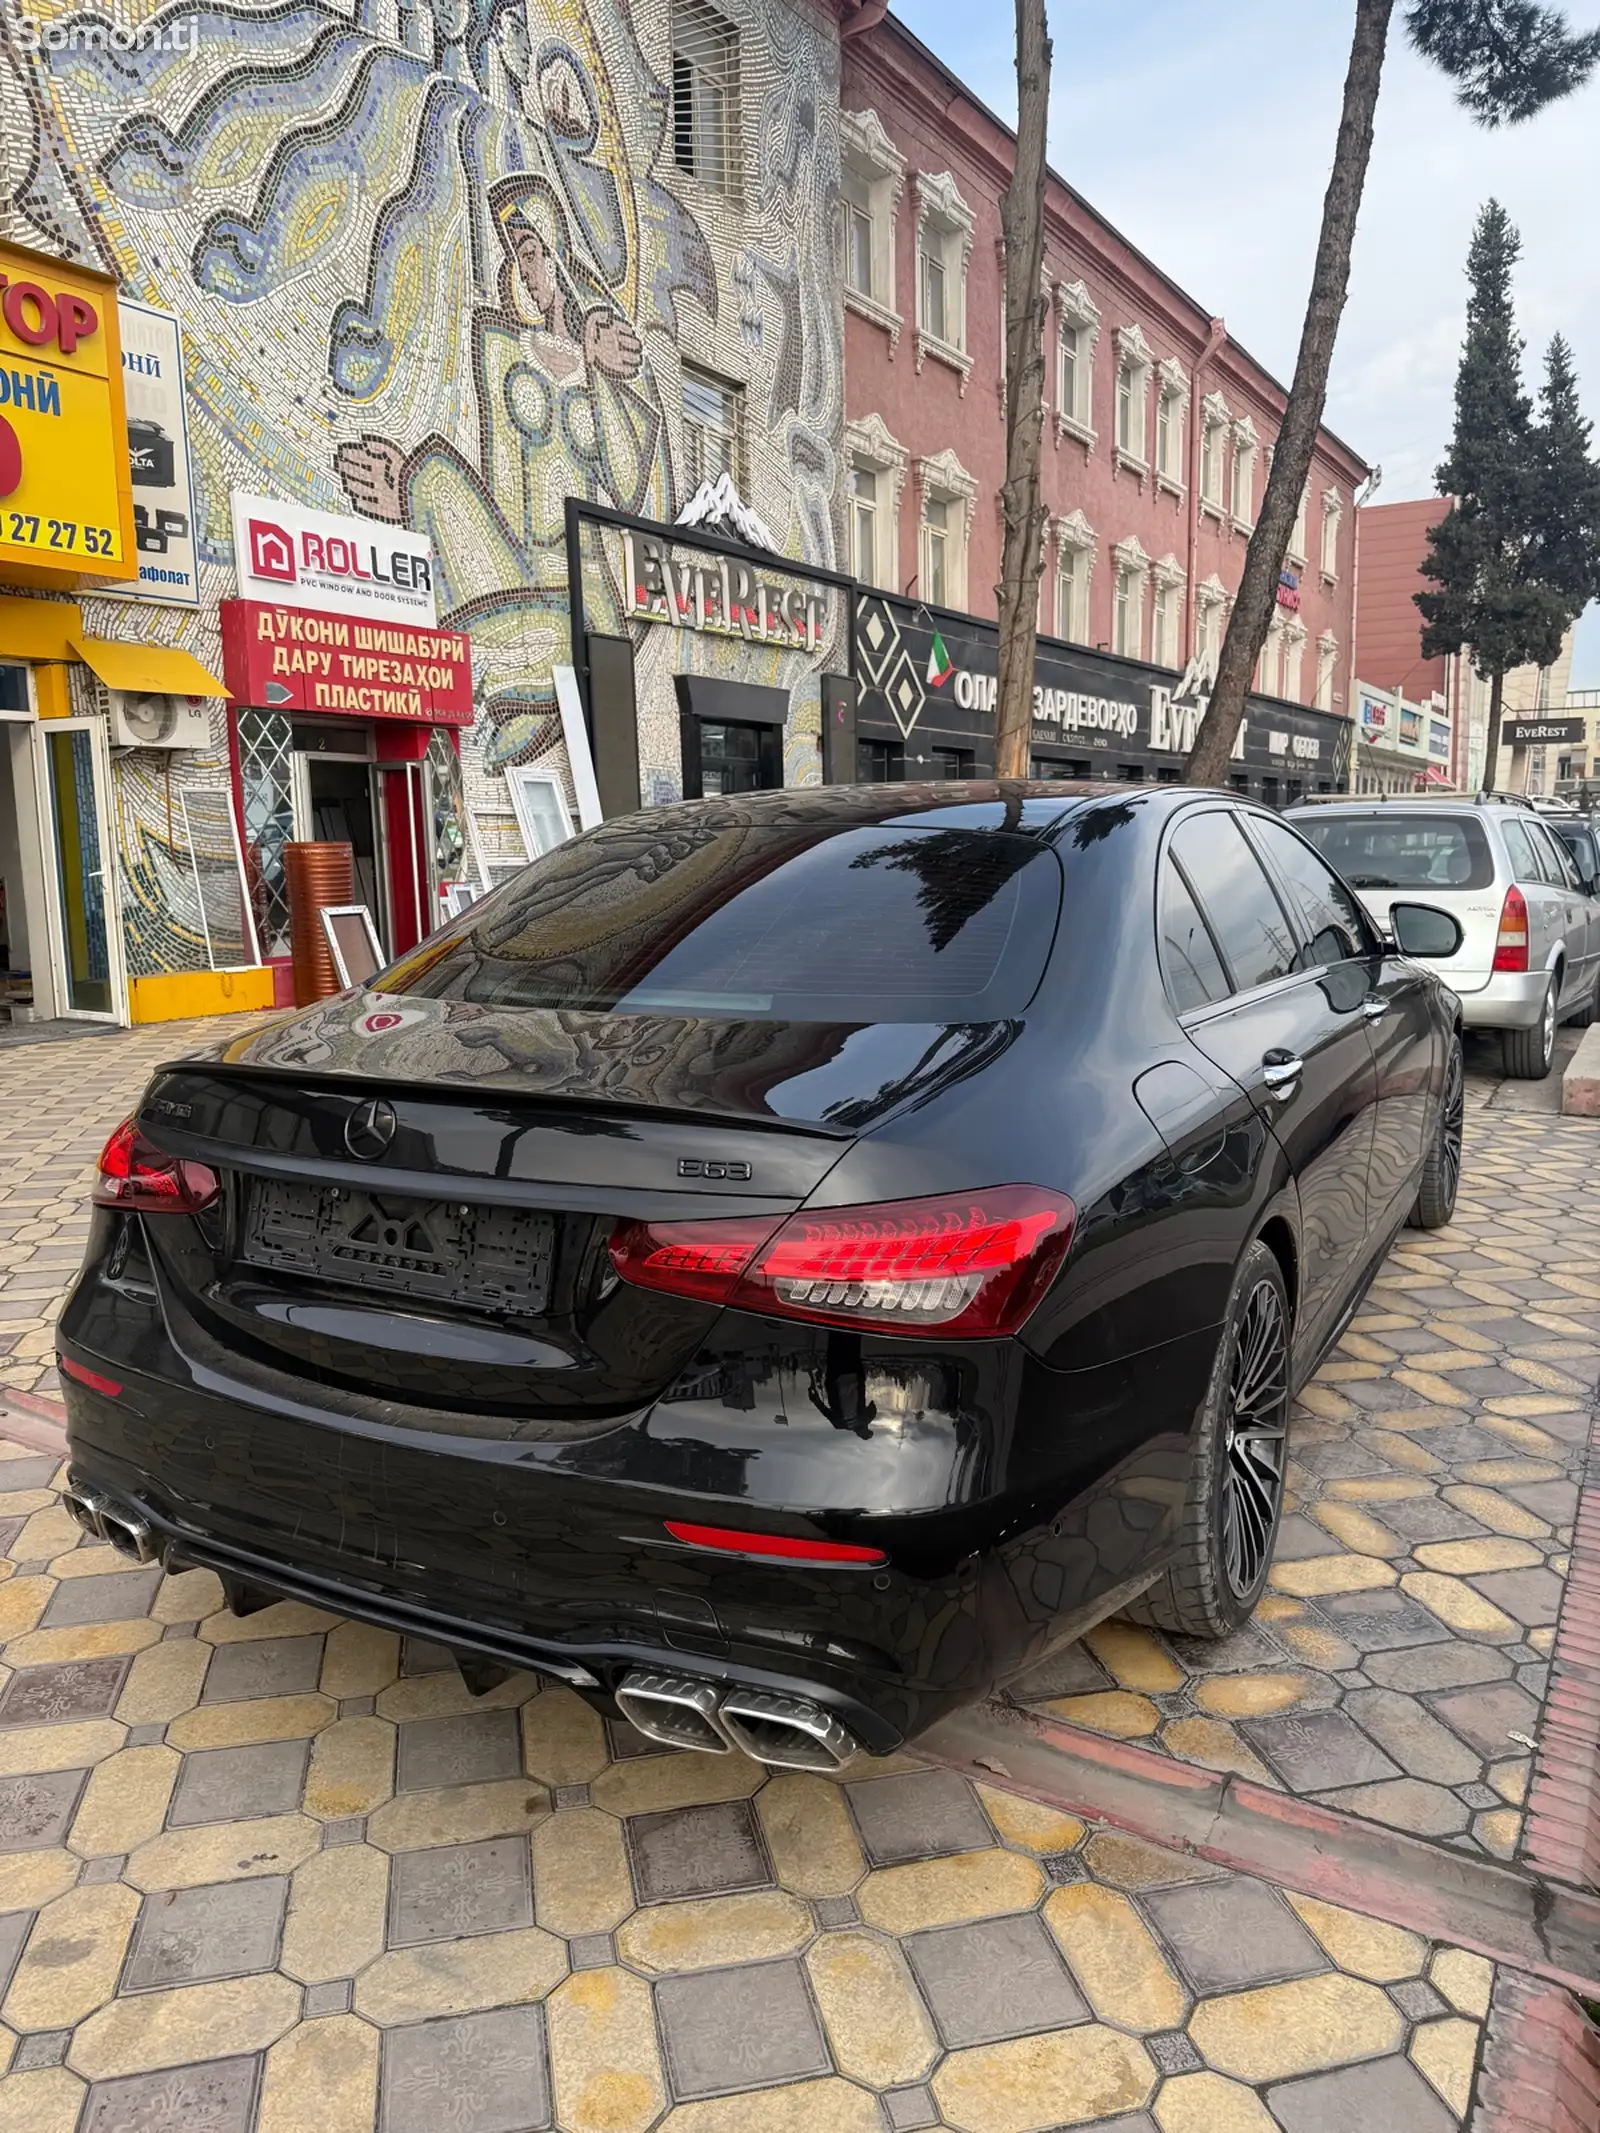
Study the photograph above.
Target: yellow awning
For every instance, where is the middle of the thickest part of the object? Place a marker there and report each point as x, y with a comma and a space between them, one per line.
147, 669
38, 629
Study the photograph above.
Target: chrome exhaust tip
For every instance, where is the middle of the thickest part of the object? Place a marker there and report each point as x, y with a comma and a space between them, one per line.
786, 1731
85, 1507
128, 1533
676, 1712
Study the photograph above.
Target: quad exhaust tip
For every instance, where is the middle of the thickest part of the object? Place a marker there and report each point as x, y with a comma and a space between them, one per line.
787, 1732
111, 1522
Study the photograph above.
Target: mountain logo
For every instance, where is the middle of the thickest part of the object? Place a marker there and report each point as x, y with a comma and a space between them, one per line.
940, 664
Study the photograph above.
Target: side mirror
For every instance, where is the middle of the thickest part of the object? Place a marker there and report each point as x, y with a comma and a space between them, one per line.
1424, 930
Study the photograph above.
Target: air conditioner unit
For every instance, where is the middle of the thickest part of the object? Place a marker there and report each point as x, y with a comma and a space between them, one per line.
139, 721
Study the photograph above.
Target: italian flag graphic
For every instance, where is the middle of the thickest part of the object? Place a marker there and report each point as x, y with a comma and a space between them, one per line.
940, 667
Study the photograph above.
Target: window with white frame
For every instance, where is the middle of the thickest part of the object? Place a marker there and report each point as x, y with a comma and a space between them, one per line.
1243, 501
1134, 366
1172, 395
944, 244
710, 427
1215, 423
1297, 539
1269, 661
1075, 546
872, 184
705, 95
1166, 613
1211, 607
1294, 646
1332, 513
1079, 332
876, 464
1127, 598
947, 491
1327, 654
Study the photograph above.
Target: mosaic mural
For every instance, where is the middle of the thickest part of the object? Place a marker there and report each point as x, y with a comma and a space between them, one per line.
435, 263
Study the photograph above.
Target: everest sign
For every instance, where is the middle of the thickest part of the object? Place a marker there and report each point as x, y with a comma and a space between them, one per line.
338, 566
289, 659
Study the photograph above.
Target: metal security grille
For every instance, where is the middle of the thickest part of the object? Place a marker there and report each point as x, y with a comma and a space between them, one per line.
264, 778
705, 94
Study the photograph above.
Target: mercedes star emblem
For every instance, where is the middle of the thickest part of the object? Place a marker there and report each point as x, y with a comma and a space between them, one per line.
369, 1129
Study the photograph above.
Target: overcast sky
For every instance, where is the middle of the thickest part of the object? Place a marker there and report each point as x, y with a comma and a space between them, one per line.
1204, 134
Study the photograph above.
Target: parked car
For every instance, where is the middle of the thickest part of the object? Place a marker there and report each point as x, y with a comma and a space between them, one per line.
1530, 924
780, 1264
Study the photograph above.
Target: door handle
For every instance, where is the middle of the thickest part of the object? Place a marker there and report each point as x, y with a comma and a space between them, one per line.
1281, 1071
1374, 1007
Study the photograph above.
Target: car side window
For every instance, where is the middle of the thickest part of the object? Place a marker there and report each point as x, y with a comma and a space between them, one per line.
1558, 867
1336, 931
1519, 850
1188, 953
1240, 904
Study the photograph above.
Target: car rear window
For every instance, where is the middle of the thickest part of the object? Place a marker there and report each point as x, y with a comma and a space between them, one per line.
802, 922
1387, 850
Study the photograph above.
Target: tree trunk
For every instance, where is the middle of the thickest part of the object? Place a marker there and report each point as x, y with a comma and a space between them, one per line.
1296, 441
1491, 752
1022, 544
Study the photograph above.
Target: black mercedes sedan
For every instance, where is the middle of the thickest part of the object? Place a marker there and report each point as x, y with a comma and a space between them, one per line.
781, 1264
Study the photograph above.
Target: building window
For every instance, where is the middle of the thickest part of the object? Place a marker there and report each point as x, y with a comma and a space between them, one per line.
1243, 506
1075, 544
1127, 604
944, 241
1134, 365
1211, 605
935, 550
880, 762
266, 789
1215, 423
933, 311
856, 230
710, 428
1327, 653
1270, 661
874, 174
1166, 614
1297, 539
1294, 645
1332, 512
1080, 330
705, 94
947, 492
1172, 392
864, 524
877, 472
953, 762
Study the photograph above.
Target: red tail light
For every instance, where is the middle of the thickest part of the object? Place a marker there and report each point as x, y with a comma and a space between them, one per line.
135, 1174
1511, 943
92, 1378
963, 1263
781, 1547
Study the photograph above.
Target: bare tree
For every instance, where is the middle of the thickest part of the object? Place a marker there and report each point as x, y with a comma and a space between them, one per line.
1508, 59
1022, 543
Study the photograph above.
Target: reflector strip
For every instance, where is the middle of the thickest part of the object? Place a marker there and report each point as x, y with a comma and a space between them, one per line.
92, 1378
781, 1546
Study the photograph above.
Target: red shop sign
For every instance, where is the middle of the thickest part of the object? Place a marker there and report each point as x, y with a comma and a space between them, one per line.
344, 666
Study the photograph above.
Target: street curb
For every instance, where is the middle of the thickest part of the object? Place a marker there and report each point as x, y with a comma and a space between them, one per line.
33, 1419
1540, 2066
1561, 1837
1505, 1913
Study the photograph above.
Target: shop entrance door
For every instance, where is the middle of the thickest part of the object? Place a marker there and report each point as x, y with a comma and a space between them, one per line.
739, 758
73, 779
338, 809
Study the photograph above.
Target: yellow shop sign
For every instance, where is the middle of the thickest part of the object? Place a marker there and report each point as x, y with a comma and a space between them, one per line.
66, 493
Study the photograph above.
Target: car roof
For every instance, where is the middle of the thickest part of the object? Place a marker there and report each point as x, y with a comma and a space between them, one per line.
1029, 806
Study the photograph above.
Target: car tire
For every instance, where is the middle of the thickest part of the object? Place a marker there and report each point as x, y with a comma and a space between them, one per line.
1441, 1173
1235, 1493
1529, 1052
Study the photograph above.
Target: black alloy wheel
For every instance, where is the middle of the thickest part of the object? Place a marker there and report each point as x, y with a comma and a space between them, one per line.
1441, 1173
1252, 1481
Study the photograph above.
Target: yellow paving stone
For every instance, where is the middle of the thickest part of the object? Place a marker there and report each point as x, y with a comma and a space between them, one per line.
874, 2018
1366, 1947
1113, 1711
704, 1933
1251, 1695
1456, 1358
460, 1976
34, 1748
155, 2029
125, 1801
1068, 2077
1544, 1375
321, 2078
1543, 1639
1358, 1529
642, 1783
445, 1695
1561, 1565
1320, 1647
1129, 1862
1376, 1488
948, 1892
1445, 2052
359, 1660
164, 1682
1403, 1451
223, 1851
1028, 1824
1498, 1831
334, 1924
1411, 1421
46, 1533
1361, 1348
1466, 1980
1538, 1442
563, 1739
352, 1768
809, 1834
1510, 1780
284, 1618
48, 2101
1323, 1400
1215, 1746
458, 1814
1439, 1392
248, 1724
1206, 2103
1531, 1403
1319, 1575
89, 1640
187, 1596
1134, 1658
1276, 2031
580, 1873
1114, 1957
1277, 1607
1459, 1606
28, 1879
1498, 1512
22, 1602
603, 2061
1348, 1373
18, 1503
1455, 1333
1472, 1558
73, 1957
826, 2106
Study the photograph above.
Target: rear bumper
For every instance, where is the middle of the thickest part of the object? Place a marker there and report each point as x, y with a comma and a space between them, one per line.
1510, 1000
